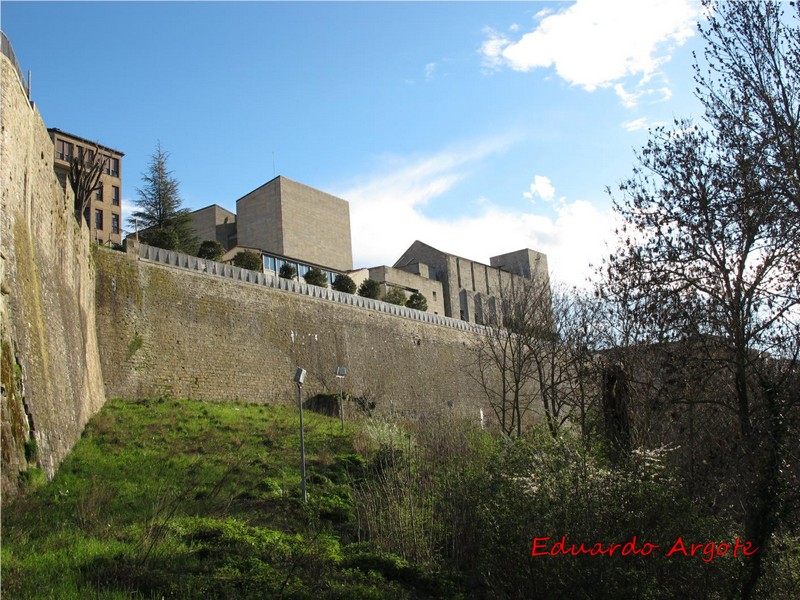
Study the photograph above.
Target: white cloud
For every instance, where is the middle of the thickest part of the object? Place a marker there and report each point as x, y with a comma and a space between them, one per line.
594, 44
633, 99
492, 49
641, 123
386, 217
541, 187
127, 208
430, 70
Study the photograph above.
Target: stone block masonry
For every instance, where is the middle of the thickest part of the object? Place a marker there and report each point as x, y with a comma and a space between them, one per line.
51, 379
164, 330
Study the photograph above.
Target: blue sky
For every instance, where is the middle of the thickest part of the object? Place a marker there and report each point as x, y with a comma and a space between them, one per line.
479, 127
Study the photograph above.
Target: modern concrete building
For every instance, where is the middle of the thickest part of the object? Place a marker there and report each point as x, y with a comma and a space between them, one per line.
289, 219
104, 213
215, 223
469, 286
272, 263
288, 222
409, 282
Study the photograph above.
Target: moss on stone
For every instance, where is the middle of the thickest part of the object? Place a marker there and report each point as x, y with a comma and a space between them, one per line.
15, 422
135, 344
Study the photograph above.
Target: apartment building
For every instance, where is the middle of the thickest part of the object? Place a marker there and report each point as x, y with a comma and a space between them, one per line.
104, 213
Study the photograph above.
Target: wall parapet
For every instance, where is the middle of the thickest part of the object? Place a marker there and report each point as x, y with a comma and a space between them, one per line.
215, 269
8, 50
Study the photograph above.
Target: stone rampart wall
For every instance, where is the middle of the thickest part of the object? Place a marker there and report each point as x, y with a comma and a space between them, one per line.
185, 331
51, 379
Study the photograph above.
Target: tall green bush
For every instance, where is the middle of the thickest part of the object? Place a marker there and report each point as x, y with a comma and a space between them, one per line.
247, 259
369, 288
344, 283
417, 301
316, 276
287, 271
210, 250
395, 296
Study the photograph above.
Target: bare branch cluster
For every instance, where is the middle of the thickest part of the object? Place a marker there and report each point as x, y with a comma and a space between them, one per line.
705, 286
85, 171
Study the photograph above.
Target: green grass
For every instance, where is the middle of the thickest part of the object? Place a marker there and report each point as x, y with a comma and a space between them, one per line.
185, 499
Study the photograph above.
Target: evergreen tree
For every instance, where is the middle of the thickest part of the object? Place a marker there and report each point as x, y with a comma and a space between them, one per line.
315, 276
369, 288
160, 219
247, 259
418, 301
211, 250
344, 283
395, 296
287, 271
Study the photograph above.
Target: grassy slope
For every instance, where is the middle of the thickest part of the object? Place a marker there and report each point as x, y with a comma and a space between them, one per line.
183, 499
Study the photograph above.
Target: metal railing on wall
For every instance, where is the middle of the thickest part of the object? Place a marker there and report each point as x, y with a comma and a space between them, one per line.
209, 267
8, 50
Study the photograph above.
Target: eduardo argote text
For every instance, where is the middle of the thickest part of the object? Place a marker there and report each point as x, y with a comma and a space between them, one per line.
706, 551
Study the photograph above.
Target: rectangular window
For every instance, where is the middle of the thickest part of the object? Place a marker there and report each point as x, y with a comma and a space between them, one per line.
114, 223
115, 195
269, 263
302, 270
106, 164
98, 220
64, 150
114, 167
98, 193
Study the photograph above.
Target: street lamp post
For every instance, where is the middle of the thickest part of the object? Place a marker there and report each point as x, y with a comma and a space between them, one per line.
299, 378
340, 373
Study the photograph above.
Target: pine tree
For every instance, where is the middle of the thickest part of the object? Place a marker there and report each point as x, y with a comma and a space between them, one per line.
160, 219
417, 301
316, 276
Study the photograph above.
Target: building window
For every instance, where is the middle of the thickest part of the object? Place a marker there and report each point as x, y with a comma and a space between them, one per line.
64, 150
98, 220
98, 193
106, 164
114, 167
269, 263
115, 195
114, 223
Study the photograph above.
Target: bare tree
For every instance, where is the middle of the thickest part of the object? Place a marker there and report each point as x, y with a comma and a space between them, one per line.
504, 361
85, 171
750, 79
711, 254
538, 352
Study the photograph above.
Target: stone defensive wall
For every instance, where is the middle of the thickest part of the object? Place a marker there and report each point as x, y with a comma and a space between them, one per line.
51, 379
171, 324
193, 263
